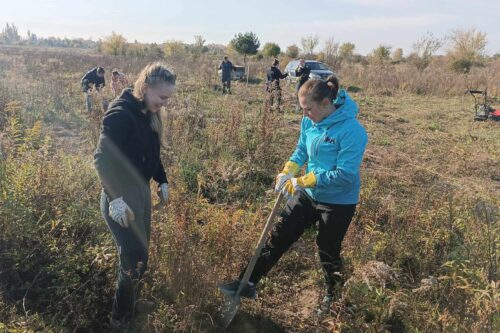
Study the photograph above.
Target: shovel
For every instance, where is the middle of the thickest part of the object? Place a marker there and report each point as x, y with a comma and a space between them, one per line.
233, 304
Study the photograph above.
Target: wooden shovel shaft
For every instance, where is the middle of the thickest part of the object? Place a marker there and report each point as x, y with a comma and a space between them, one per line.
232, 307
263, 237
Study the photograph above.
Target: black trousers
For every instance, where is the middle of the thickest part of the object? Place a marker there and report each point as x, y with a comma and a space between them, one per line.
300, 213
226, 86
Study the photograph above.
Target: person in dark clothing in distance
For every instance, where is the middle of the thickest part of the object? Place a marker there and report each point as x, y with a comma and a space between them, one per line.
227, 69
273, 87
93, 78
126, 159
302, 73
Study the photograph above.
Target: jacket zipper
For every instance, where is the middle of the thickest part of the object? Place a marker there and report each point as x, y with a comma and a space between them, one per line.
316, 144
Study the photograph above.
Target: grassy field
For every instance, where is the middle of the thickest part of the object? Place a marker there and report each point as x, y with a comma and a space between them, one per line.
420, 254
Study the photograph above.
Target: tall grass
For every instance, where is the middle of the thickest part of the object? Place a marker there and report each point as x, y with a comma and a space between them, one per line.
420, 254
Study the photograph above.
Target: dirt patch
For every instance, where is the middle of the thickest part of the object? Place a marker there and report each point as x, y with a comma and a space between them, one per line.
307, 301
246, 323
302, 305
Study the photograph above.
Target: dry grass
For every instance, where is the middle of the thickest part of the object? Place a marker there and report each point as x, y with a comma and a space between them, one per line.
428, 209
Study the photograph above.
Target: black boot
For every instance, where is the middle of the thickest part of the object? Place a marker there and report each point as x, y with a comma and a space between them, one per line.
120, 325
229, 289
334, 283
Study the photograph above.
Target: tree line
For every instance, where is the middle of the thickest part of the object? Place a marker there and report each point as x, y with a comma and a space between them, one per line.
465, 48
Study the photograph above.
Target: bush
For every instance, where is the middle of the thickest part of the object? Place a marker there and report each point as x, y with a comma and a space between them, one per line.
292, 51
271, 50
115, 44
467, 49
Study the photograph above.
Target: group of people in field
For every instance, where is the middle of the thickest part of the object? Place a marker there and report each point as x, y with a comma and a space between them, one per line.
320, 180
273, 77
94, 81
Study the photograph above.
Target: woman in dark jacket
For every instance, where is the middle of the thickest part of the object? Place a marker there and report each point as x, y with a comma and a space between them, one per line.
127, 157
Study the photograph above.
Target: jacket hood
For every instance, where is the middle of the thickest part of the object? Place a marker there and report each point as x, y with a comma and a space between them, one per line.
126, 101
345, 108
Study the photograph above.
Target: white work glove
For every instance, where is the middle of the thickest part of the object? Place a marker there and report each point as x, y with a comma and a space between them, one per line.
296, 184
289, 170
120, 212
290, 189
163, 192
281, 179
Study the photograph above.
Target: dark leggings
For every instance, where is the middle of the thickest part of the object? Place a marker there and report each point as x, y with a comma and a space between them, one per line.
300, 213
226, 86
132, 244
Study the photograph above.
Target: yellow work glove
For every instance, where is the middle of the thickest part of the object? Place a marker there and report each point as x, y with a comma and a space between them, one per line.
290, 170
293, 185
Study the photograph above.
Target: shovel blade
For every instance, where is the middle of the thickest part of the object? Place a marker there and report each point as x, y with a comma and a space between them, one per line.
229, 311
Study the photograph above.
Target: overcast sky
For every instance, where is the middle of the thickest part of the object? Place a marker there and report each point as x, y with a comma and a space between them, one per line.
366, 23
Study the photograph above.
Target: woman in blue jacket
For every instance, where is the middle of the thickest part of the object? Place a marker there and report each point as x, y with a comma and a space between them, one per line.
332, 143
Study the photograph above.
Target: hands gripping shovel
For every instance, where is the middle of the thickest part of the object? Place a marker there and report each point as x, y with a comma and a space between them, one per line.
231, 307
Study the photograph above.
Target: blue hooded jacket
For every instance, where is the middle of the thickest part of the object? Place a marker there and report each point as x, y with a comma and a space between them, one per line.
333, 150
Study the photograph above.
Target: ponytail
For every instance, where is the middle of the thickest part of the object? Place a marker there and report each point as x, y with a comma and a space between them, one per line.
333, 84
318, 90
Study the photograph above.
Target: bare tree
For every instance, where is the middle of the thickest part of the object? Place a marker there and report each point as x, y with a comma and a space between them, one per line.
423, 50
309, 43
199, 44
331, 51
199, 41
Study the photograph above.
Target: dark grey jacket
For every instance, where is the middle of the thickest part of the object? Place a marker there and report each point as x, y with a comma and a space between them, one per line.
303, 74
128, 152
91, 77
227, 68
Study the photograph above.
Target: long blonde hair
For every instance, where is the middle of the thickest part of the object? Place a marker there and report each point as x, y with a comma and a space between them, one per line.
153, 74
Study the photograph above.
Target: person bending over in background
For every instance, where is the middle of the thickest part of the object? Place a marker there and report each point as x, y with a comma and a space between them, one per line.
93, 78
118, 82
332, 143
126, 158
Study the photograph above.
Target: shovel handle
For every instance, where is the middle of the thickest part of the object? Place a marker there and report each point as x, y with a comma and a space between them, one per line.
262, 240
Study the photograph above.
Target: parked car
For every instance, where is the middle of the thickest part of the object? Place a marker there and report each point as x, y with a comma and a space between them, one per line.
319, 71
238, 74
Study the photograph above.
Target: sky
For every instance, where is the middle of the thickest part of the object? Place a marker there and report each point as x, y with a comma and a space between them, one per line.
366, 23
